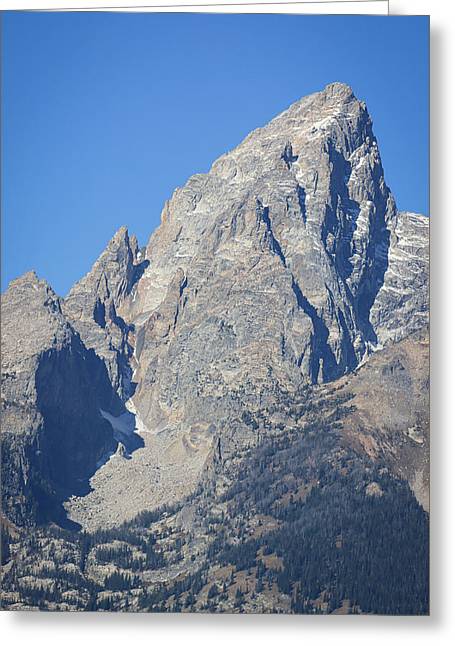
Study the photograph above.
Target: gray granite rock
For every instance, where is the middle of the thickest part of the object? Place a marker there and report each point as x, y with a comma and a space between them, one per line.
53, 436
275, 268
94, 307
402, 304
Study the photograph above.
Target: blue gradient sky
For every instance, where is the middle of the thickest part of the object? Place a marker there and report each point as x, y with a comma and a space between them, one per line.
105, 114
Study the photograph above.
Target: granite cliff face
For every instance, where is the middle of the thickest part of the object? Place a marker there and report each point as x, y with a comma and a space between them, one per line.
94, 304
402, 304
286, 265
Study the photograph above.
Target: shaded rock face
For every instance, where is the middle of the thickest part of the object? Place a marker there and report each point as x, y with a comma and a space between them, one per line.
53, 436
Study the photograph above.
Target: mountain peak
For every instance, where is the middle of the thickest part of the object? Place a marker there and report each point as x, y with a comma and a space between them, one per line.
32, 288
27, 278
94, 305
32, 318
339, 89
120, 236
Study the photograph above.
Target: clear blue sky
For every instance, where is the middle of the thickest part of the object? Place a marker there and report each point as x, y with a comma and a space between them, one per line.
105, 114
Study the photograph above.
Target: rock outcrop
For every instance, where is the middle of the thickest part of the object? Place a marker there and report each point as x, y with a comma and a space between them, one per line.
53, 435
402, 304
94, 307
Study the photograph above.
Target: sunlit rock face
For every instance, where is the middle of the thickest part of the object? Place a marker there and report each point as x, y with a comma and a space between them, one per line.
402, 304
277, 267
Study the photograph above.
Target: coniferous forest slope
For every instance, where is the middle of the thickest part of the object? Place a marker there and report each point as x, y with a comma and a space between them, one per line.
235, 417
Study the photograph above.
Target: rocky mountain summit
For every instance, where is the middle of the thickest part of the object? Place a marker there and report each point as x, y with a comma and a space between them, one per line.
94, 303
287, 262
282, 287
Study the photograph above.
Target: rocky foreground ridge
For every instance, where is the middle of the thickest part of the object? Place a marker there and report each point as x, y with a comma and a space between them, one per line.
286, 267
